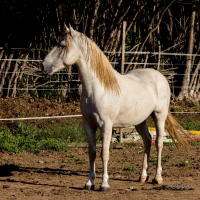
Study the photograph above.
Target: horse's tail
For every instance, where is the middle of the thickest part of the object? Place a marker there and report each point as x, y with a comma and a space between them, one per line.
176, 131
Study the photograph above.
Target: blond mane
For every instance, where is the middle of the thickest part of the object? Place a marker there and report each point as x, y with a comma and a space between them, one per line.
100, 65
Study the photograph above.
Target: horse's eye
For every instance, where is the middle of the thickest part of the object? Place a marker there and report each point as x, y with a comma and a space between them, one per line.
62, 46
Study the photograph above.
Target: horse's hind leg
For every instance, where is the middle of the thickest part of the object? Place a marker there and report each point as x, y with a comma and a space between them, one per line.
142, 129
91, 136
159, 119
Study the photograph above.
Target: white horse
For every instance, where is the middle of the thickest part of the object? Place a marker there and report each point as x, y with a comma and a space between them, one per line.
109, 98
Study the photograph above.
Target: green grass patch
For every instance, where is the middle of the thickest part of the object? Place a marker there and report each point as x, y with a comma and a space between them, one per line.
40, 135
182, 164
74, 160
153, 160
176, 109
191, 125
13, 142
131, 144
169, 144
164, 159
194, 143
20, 136
128, 168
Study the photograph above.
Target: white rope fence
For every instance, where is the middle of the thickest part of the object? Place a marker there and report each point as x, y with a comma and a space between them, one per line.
153, 53
118, 52
68, 116
126, 63
36, 118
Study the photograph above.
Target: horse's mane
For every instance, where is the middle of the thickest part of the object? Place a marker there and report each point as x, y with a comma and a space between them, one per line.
100, 64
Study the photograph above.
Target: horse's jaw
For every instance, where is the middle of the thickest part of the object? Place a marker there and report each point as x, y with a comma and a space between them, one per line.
50, 68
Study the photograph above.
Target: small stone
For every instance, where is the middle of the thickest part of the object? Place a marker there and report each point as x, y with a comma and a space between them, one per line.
6, 186
133, 188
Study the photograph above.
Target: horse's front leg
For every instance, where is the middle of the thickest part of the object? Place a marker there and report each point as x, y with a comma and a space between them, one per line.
91, 136
107, 133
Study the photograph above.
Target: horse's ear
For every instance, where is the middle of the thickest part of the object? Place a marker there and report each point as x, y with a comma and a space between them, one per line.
72, 31
66, 28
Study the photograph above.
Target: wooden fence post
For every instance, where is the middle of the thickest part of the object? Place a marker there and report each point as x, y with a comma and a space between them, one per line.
123, 46
122, 63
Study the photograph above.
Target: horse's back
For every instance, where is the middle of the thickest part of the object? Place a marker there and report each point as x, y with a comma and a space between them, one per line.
148, 75
151, 78
154, 81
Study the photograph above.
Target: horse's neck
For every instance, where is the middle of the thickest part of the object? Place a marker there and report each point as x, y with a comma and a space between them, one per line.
89, 81
96, 72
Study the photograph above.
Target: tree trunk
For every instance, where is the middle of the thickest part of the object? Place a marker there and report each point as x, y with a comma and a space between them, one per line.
189, 59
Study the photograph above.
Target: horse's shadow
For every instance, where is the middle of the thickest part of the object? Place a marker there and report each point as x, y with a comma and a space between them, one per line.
7, 170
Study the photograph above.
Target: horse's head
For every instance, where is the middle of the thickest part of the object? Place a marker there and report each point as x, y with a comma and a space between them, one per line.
64, 53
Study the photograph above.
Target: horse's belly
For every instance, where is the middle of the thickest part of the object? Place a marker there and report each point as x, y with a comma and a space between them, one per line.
135, 113
130, 119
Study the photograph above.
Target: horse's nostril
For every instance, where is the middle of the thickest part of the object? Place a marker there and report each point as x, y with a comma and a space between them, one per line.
42, 68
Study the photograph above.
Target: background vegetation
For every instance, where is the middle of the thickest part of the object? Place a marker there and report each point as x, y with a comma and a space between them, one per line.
22, 136
34, 27
35, 136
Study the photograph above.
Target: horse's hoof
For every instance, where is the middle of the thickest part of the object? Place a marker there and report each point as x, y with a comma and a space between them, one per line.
89, 187
104, 188
157, 181
144, 179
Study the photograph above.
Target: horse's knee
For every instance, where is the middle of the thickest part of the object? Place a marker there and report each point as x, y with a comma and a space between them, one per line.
159, 142
92, 153
104, 155
149, 140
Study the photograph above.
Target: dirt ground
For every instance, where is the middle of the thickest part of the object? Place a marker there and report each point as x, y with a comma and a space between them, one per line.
62, 175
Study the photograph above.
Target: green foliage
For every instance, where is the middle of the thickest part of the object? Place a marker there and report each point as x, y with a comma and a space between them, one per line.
69, 130
164, 159
194, 143
182, 164
128, 168
53, 144
55, 135
153, 160
26, 137
131, 144
27, 140
197, 105
15, 143
74, 160
21, 136
169, 144
176, 109
191, 125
